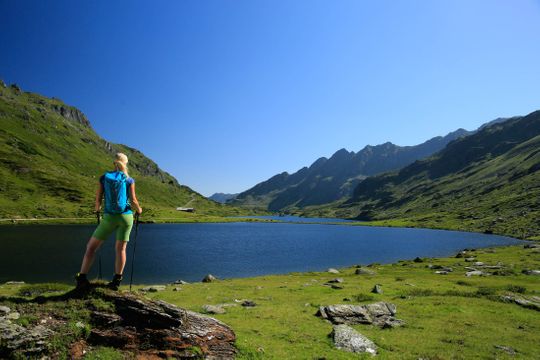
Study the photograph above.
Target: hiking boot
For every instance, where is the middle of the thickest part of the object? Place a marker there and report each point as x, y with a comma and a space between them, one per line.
115, 282
82, 282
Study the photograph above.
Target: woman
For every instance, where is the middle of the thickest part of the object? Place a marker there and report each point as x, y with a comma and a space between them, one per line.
118, 189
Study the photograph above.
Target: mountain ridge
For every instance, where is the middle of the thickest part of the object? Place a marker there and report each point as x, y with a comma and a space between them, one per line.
51, 158
330, 179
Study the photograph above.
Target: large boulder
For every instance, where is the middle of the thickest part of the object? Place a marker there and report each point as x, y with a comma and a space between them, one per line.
381, 314
348, 339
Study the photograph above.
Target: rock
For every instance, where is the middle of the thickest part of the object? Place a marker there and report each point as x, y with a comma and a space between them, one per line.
248, 303
15, 283
364, 271
336, 287
506, 349
177, 289
478, 263
470, 259
441, 272
531, 246
163, 330
213, 309
333, 271
180, 282
209, 278
335, 281
4, 310
531, 272
28, 341
475, 273
377, 289
461, 254
532, 302
154, 288
12, 316
377, 313
348, 339
418, 260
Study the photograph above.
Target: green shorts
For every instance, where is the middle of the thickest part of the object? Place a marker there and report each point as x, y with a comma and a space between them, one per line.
122, 223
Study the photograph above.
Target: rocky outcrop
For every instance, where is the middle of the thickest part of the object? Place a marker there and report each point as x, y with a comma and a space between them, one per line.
134, 325
71, 113
348, 339
381, 314
29, 340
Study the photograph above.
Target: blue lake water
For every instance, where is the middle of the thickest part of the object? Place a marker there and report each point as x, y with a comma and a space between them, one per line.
295, 219
167, 252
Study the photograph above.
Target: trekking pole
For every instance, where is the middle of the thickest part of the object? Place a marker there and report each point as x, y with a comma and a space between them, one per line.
99, 221
134, 248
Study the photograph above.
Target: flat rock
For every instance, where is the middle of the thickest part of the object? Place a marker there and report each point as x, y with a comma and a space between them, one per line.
531, 246
470, 259
532, 302
379, 314
177, 289
364, 271
478, 263
348, 339
213, 309
441, 272
248, 303
531, 272
332, 271
154, 288
475, 273
4, 310
335, 281
15, 283
180, 282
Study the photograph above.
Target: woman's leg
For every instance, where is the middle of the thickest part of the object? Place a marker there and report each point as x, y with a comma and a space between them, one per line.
120, 262
91, 248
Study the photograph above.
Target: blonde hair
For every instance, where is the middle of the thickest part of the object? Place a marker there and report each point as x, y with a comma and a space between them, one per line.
120, 162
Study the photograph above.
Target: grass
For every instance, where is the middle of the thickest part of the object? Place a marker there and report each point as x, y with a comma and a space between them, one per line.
447, 316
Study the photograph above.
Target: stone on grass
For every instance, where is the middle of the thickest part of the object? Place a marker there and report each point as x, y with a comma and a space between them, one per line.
180, 282
478, 263
470, 259
418, 260
506, 349
154, 288
348, 339
532, 302
380, 314
209, 278
213, 309
441, 272
15, 283
336, 287
13, 315
531, 246
364, 271
531, 272
335, 281
377, 289
475, 273
333, 271
248, 303
177, 289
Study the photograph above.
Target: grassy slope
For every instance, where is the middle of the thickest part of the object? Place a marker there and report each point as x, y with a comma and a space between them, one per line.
448, 316
498, 192
50, 166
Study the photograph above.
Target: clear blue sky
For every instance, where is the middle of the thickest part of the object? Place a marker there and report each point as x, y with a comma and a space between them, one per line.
224, 94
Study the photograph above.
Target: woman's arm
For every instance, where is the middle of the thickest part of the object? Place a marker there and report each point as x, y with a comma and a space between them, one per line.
133, 199
99, 197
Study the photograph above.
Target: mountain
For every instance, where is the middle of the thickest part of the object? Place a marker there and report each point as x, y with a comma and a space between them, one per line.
487, 181
329, 180
51, 159
222, 198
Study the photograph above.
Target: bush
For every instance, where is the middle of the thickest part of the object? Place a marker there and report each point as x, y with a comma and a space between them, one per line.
516, 289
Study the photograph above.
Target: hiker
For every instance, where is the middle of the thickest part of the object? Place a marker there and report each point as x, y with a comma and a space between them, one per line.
118, 189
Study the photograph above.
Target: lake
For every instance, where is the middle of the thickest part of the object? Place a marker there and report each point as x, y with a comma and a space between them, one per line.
168, 252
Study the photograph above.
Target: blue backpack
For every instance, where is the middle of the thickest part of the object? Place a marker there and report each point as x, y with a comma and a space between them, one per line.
116, 197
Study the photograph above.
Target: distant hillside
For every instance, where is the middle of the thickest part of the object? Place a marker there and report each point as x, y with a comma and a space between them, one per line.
487, 181
329, 180
51, 160
222, 198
